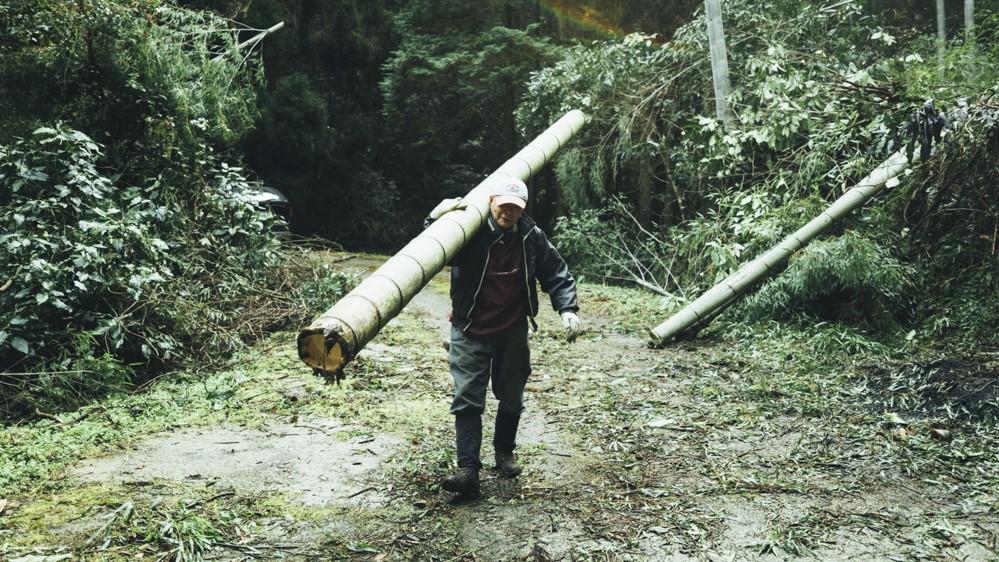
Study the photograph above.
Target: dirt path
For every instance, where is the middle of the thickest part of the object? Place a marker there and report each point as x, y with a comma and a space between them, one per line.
310, 463
695, 452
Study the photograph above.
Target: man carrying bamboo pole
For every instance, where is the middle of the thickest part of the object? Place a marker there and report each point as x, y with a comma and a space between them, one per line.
493, 296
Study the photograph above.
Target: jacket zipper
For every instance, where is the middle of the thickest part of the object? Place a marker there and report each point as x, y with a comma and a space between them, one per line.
527, 280
475, 297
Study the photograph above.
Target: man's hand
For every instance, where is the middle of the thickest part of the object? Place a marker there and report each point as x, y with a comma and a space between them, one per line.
572, 325
446, 206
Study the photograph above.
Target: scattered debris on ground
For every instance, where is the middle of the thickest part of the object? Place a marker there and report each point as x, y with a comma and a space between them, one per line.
705, 450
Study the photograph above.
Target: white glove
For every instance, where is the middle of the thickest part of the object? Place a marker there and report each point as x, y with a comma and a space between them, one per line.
572, 325
446, 206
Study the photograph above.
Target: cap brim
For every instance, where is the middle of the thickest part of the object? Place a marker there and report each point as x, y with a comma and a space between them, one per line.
509, 200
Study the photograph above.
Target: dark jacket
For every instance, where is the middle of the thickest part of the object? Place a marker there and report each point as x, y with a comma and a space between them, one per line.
542, 265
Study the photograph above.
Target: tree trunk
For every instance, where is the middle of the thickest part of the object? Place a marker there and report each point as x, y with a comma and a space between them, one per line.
645, 192
719, 62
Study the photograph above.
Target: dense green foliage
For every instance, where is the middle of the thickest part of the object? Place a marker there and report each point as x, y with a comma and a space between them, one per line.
821, 96
319, 132
142, 79
445, 86
947, 216
102, 274
130, 130
125, 256
847, 278
372, 110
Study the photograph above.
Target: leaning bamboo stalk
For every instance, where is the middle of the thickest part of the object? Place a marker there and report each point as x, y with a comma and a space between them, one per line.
253, 40
335, 338
711, 303
258, 37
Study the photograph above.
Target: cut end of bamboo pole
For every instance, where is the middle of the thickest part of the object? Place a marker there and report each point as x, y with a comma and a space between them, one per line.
323, 352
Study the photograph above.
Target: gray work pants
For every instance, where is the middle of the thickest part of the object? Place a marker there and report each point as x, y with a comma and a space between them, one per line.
503, 357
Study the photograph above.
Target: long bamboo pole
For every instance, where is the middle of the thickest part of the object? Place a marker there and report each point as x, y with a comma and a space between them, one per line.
335, 338
711, 303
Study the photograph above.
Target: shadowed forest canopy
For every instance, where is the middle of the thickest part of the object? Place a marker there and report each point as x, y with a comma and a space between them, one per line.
375, 109
133, 131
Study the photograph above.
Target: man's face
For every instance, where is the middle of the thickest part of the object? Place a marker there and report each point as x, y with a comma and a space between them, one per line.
505, 215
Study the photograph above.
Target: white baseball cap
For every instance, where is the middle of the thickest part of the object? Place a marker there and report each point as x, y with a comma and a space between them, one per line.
511, 192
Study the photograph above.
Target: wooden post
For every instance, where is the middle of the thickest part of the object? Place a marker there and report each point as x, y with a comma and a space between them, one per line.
969, 21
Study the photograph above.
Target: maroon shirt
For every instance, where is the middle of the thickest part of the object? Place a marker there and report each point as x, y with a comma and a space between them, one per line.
502, 298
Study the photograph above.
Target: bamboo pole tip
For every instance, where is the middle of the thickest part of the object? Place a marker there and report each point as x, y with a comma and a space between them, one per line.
656, 340
659, 339
320, 352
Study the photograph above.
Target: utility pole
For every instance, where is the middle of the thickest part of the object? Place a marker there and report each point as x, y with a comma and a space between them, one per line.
719, 62
969, 21
941, 39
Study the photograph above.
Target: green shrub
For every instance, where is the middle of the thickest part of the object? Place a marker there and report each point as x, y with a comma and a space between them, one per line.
128, 242
323, 286
948, 213
100, 278
609, 244
848, 278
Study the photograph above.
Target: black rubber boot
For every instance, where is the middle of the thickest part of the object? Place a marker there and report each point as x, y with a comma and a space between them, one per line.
468, 442
504, 441
506, 463
465, 483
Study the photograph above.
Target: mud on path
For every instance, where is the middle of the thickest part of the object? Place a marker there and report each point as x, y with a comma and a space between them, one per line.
701, 451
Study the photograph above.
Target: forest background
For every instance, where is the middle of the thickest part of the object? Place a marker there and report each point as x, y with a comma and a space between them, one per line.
131, 131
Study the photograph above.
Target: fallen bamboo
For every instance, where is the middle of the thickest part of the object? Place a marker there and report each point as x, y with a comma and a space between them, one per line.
335, 338
715, 300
